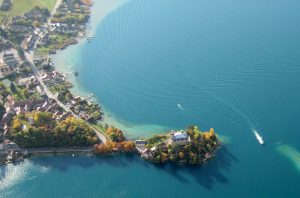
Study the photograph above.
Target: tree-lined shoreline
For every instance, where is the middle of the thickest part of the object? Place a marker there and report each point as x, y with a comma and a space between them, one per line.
54, 118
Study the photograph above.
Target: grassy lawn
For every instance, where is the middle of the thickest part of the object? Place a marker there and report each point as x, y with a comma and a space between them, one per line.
59, 87
156, 139
58, 41
42, 51
21, 6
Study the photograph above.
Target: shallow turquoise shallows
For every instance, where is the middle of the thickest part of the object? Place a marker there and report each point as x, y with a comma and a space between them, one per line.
230, 64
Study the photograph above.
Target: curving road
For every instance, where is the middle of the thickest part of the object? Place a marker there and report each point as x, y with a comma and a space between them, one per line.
30, 57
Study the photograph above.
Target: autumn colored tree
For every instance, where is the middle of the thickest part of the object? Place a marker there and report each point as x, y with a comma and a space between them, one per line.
47, 132
42, 118
164, 157
212, 132
181, 155
115, 134
128, 146
104, 147
16, 124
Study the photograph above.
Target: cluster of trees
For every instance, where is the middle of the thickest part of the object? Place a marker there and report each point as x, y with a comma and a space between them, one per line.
209, 134
79, 14
39, 129
197, 135
3, 33
15, 36
19, 92
199, 150
125, 146
115, 134
25, 69
61, 40
33, 17
4, 46
74, 14
70, 19
94, 110
64, 96
4, 92
30, 21
118, 142
43, 11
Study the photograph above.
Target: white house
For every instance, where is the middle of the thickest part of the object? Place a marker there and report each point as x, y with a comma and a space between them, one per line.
179, 137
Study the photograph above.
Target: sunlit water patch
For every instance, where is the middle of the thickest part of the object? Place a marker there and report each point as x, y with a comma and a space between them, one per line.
290, 153
13, 174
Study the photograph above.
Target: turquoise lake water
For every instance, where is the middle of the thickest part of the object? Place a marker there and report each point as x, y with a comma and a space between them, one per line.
232, 65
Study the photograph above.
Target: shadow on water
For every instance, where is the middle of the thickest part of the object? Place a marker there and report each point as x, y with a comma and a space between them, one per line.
63, 162
204, 175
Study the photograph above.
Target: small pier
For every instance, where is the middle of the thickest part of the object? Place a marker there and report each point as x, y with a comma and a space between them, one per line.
88, 97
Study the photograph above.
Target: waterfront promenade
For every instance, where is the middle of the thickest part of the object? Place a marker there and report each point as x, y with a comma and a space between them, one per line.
57, 150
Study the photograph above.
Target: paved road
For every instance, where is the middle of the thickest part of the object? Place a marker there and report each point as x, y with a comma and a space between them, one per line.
30, 58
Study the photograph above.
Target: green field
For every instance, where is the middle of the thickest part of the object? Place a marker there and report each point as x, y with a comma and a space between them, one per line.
21, 6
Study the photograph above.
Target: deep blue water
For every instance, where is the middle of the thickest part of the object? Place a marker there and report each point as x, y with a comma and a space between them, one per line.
232, 65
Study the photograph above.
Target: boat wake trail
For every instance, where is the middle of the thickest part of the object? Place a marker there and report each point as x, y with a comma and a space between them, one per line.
233, 108
249, 122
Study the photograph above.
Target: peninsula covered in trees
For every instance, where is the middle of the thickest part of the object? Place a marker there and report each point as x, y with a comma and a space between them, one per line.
190, 146
38, 109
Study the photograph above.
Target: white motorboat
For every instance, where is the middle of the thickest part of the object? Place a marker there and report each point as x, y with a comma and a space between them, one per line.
180, 107
259, 137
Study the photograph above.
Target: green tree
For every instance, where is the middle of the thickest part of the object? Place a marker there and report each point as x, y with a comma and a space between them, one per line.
36, 24
13, 88
181, 155
42, 118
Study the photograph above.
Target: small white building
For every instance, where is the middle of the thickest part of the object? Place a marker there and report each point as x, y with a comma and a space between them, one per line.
179, 137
